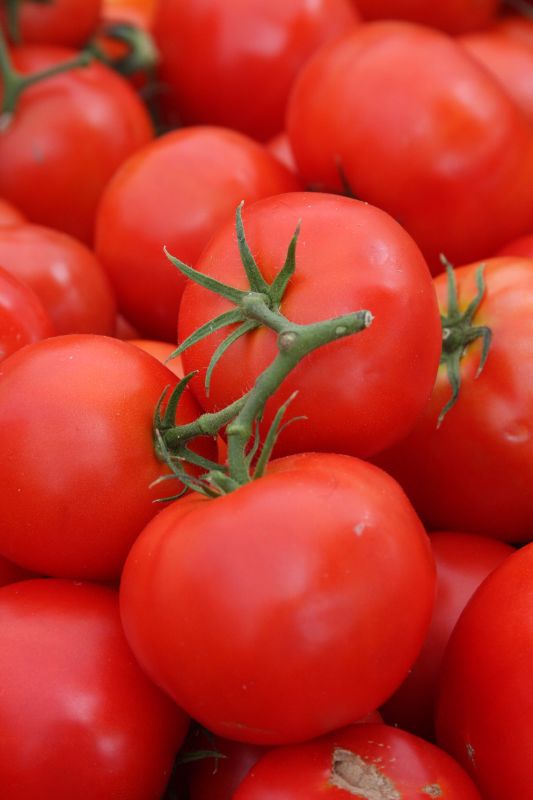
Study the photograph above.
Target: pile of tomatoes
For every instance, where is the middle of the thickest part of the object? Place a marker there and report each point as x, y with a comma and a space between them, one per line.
266, 399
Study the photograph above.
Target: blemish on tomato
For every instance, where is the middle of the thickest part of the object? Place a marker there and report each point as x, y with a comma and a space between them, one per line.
359, 778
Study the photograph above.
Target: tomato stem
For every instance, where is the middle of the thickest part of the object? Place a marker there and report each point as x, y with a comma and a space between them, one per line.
15, 83
141, 56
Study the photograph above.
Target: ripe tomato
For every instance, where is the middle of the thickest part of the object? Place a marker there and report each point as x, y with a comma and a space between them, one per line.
415, 126
12, 573
161, 351
245, 609
80, 718
65, 275
368, 761
23, 318
9, 215
220, 56
486, 704
198, 175
68, 134
474, 473
463, 562
453, 16
78, 456
134, 12
69, 23
358, 394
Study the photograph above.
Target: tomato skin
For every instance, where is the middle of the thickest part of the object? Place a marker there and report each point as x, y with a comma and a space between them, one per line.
199, 176
347, 259
80, 717
485, 703
12, 573
135, 12
463, 562
78, 453
161, 351
282, 585
65, 275
9, 215
453, 475
23, 318
420, 130
66, 23
387, 763
453, 16
523, 247
215, 73
69, 133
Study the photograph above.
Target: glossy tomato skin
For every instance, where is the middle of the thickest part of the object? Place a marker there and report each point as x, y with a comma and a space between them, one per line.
78, 456
361, 393
198, 176
474, 473
419, 129
369, 761
453, 16
463, 562
83, 719
485, 703
67, 23
23, 318
246, 609
66, 276
12, 573
523, 247
9, 215
218, 56
69, 134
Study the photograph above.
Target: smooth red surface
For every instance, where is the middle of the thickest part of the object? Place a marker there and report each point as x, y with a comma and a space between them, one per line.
65, 275
12, 573
9, 215
285, 609
23, 318
80, 718
68, 23
486, 704
66, 139
78, 456
452, 16
175, 194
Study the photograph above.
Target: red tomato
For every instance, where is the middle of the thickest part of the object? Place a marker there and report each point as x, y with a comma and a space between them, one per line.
9, 215
22, 316
368, 761
415, 126
135, 12
486, 703
64, 274
453, 16
198, 175
68, 136
78, 456
523, 247
162, 351
69, 23
280, 146
80, 718
233, 62
463, 562
12, 573
474, 473
349, 256
509, 60
245, 609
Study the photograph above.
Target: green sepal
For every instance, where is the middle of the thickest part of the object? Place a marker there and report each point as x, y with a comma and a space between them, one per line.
280, 282
227, 318
271, 438
242, 330
253, 273
222, 289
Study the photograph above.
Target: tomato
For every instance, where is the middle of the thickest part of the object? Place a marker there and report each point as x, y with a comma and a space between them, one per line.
23, 318
369, 761
358, 394
68, 134
9, 215
245, 609
453, 16
68, 23
80, 718
474, 473
523, 247
198, 176
220, 56
509, 60
65, 275
78, 456
134, 12
486, 703
412, 124
280, 146
463, 562
162, 351
12, 573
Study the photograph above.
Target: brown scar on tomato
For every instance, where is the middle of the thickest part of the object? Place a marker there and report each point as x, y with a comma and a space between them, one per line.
433, 791
356, 776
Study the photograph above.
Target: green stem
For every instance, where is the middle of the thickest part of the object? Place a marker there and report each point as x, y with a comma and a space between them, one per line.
142, 52
15, 83
12, 19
